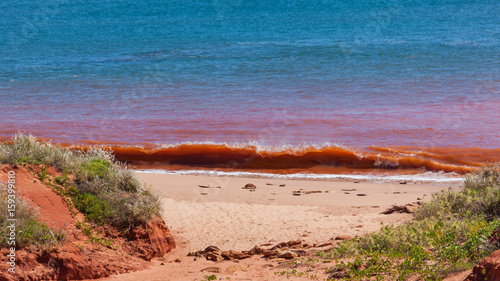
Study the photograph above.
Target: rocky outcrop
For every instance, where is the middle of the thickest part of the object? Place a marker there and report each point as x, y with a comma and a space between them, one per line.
487, 269
152, 239
286, 250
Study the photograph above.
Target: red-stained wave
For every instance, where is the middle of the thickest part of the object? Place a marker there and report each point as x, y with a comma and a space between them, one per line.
315, 159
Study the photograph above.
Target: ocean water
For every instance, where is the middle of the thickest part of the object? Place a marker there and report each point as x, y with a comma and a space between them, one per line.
331, 86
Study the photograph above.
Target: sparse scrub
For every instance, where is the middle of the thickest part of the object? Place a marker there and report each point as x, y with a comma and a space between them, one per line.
449, 233
103, 189
25, 149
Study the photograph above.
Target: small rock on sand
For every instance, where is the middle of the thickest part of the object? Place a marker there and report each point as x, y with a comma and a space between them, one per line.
312, 191
207, 186
282, 185
249, 186
361, 194
212, 269
288, 255
256, 250
343, 237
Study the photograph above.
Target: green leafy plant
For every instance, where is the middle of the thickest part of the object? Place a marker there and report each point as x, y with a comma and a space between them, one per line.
449, 233
210, 277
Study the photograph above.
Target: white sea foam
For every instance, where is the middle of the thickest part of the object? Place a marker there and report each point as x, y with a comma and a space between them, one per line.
422, 177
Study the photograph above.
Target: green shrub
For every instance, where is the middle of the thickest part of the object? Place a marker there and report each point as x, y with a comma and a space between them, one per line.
97, 168
103, 189
449, 233
95, 209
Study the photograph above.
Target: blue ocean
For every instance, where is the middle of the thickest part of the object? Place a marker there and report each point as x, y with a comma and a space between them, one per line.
394, 84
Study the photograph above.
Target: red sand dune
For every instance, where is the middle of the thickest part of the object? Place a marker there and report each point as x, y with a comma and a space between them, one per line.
77, 258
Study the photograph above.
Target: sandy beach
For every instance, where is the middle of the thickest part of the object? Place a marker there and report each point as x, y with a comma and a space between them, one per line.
223, 214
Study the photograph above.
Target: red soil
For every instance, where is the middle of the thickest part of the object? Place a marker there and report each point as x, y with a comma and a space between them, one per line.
77, 258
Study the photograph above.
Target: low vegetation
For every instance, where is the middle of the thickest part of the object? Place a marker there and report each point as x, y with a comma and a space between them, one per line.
29, 230
92, 181
450, 233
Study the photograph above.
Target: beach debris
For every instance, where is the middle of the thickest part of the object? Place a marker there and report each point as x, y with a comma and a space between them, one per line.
203, 193
288, 255
361, 194
396, 192
196, 254
403, 182
213, 253
347, 193
289, 244
270, 253
356, 182
256, 250
324, 245
282, 185
338, 274
284, 250
207, 186
343, 237
296, 192
231, 254
408, 208
419, 198
212, 269
249, 186
269, 183
312, 191
348, 189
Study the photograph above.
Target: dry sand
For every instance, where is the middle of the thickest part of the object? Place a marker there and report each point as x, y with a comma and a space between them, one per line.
230, 217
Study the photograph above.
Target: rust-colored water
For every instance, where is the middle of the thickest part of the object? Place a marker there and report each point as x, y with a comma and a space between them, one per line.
313, 134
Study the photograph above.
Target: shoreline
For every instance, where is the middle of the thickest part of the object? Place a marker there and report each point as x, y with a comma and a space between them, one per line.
425, 178
272, 212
